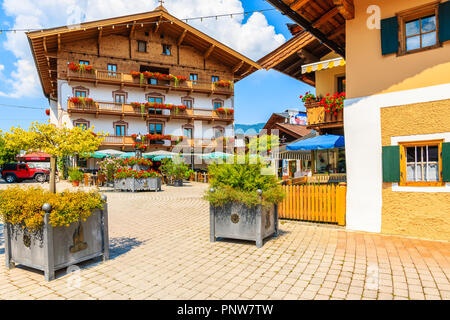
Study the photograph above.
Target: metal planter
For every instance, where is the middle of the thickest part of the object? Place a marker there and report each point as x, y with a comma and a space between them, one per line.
58, 247
133, 184
238, 221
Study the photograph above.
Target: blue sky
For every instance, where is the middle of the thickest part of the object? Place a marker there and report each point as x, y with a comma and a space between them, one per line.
256, 97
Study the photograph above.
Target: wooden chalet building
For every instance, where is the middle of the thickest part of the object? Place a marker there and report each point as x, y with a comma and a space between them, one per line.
149, 74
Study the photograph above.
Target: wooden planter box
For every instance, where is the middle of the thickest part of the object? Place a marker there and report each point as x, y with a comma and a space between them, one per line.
238, 221
133, 184
59, 247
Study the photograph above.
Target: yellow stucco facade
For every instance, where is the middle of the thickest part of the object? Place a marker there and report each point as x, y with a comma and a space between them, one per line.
326, 80
420, 214
370, 73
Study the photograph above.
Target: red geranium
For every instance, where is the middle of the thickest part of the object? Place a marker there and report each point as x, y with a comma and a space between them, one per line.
47, 112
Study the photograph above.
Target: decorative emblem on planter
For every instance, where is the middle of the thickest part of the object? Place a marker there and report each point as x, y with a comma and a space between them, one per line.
235, 218
267, 226
26, 240
78, 240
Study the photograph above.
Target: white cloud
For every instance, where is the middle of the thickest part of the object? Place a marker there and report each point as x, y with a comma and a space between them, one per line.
254, 38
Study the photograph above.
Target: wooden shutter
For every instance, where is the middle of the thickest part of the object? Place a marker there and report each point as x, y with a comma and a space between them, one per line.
389, 35
391, 164
444, 21
446, 161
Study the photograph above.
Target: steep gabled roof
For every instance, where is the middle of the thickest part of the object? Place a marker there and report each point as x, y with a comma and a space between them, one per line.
46, 43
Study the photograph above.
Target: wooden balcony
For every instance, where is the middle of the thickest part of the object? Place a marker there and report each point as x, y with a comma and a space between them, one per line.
319, 119
127, 110
126, 79
126, 143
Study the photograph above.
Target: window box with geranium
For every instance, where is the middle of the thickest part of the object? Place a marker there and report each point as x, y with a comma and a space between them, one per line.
225, 111
163, 139
161, 78
81, 102
80, 68
51, 231
223, 84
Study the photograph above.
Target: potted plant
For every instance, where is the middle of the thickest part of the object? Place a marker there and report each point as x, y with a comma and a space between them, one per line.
108, 167
135, 174
50, 231
243, 202
176, 170
75, 175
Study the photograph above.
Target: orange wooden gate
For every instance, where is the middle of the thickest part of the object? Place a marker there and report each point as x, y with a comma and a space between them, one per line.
317, 203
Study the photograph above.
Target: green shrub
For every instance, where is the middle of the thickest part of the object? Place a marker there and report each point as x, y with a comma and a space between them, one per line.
23, 207
241, 182
176, 169
75, 174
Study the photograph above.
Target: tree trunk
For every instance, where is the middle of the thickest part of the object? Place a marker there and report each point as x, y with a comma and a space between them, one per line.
52, 174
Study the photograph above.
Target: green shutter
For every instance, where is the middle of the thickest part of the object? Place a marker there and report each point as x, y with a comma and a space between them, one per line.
391, 164
446, 162
389, 35
444, 21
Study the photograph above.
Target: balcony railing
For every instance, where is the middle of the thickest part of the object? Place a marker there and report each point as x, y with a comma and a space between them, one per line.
122, 109
317, 117
108, 77
128, 141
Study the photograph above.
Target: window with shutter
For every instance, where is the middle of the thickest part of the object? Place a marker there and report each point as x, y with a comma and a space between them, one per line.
391, 164
421, 163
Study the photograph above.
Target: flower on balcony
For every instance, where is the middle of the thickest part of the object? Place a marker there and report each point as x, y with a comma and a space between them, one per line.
47, 112
225, 111
157, 137
333, 103
158, 76
223, 84
76, 67
83, 101
308, 97
140, 146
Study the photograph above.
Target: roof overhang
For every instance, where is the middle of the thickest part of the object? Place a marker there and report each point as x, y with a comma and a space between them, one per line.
46, 43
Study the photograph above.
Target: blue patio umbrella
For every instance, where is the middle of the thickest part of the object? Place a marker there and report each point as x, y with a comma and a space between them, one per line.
128, 155
215, 155
96, 154
159, 158
328, 141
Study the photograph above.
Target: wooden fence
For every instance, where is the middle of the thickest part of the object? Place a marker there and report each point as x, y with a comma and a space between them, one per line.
317, 203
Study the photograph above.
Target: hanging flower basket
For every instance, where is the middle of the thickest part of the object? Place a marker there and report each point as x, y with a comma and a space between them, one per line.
140, 146
47, 112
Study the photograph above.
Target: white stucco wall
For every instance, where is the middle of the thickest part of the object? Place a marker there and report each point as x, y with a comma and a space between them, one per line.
103, 93
363, 151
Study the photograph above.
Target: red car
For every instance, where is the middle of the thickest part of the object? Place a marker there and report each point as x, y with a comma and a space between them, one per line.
13, 172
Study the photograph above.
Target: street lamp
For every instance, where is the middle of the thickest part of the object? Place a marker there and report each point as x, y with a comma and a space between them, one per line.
138, 151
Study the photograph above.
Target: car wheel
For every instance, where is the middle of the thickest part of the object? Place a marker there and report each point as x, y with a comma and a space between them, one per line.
10, 178
39, 178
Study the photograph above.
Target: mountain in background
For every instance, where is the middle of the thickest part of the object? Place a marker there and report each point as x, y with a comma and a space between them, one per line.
244, 127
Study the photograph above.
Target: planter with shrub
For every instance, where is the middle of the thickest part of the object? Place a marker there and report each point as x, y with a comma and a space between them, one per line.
176, 170
134, 174
51, 231
243, 202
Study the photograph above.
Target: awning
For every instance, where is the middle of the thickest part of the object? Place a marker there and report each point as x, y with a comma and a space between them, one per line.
292, 155
322, 65
35, 156
327, 141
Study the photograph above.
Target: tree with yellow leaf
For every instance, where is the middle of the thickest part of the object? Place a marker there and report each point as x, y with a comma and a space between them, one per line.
56, 141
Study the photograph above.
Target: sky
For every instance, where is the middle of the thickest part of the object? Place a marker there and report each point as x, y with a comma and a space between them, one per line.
256, 96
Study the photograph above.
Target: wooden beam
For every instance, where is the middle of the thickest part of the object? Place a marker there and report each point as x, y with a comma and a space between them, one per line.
298, 4
296, 65
325, 17
300, 20
346, 8
133, 27
337, 32
307, 56
158, 24
100, 32
237, 67
44, 42
181, 38
59, 42
209, 51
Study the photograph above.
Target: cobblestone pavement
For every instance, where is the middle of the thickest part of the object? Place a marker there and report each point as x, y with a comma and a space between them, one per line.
160, 249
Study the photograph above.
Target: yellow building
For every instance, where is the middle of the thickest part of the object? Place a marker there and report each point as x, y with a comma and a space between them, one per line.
396, 76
